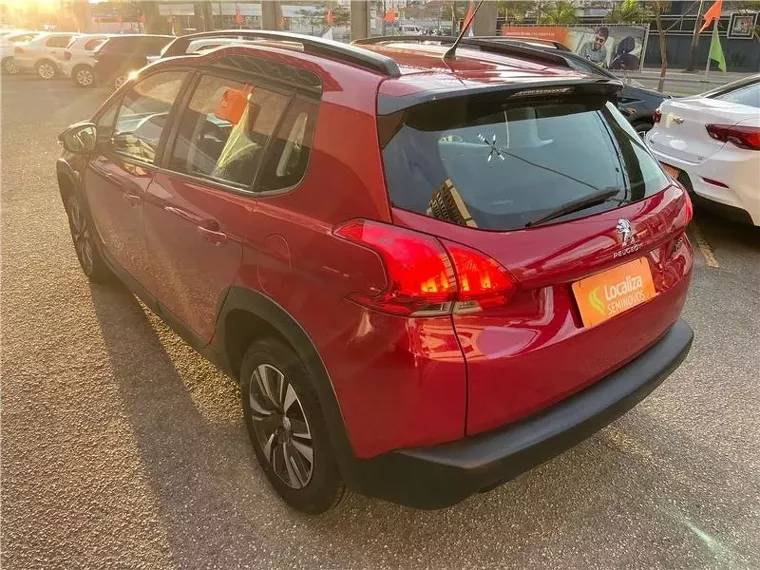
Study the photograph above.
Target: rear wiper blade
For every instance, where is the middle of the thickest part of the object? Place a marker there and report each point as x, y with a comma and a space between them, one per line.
576, 205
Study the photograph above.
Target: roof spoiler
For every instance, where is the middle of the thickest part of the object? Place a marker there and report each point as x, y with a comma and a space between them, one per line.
389, 104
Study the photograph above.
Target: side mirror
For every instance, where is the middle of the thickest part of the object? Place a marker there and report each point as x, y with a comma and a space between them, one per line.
80, 139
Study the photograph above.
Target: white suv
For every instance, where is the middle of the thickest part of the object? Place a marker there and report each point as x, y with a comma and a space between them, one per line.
43, 54
78, 60
8, 43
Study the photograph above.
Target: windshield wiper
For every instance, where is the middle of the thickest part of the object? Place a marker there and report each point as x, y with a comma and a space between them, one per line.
576, 205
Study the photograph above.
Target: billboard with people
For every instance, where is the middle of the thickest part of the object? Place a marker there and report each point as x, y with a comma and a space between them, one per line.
616, 47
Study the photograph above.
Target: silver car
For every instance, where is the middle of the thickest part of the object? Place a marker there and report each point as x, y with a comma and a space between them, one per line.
44, 54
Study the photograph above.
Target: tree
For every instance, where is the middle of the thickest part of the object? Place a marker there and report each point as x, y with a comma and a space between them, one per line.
341, 14
627, 12
559, 13
660, 7
514, 10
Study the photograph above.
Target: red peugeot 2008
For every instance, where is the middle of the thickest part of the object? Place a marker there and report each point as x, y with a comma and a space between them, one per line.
428, 272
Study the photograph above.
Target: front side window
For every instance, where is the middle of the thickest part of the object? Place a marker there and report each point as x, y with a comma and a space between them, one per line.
143, 114
58, 41
225, 129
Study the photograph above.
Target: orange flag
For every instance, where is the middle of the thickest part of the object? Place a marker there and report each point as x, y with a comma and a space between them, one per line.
390, 15
712, 14
468, 18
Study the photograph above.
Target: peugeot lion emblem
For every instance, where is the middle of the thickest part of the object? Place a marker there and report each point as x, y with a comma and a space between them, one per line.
625, 231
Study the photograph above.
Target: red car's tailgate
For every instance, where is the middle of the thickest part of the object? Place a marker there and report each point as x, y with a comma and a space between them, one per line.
536, 350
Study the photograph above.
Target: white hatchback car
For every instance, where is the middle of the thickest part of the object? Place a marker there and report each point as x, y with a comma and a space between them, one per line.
8, 44
43, 54
711, 144
78, 61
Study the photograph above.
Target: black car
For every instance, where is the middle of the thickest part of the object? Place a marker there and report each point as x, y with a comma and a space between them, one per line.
636, 103
120, 55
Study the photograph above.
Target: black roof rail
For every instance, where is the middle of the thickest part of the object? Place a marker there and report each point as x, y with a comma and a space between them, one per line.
491, 44
312, 45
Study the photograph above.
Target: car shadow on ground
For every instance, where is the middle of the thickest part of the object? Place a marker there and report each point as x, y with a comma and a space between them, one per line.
218, 510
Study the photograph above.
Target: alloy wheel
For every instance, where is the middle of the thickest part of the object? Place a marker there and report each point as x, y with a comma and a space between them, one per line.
281, 426
119, 81
9, 66
80, 233
85, 77
46, 71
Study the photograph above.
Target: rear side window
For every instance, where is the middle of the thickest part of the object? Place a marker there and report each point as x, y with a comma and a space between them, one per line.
478, 162
21, 38
225, 130
92, 45
290, 149
748, 95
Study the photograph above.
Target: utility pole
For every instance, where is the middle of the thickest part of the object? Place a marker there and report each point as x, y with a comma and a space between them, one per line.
695, 38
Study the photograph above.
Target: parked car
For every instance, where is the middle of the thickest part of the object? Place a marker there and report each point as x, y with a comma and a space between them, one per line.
7, 45
711, 144
636, 102
199, 46
423, 283
78, 59
123, 54
42, 54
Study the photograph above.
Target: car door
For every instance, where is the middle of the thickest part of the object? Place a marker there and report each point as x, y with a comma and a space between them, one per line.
198, 208
119, 173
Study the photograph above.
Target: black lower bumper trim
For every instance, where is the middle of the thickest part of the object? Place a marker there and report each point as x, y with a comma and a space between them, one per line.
442, 475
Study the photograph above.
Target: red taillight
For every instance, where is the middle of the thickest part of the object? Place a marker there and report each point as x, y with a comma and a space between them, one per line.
742, 136
688, 207
18, 50
657, 116
424, 277
481, 282
67, 55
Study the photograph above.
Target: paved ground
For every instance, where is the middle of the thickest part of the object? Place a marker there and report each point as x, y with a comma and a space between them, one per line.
121, 448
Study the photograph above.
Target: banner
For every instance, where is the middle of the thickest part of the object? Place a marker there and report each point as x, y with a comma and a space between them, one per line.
615, 47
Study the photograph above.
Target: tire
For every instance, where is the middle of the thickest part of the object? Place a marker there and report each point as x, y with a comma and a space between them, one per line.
85, 242
46, 70
285, 421
643, 128
9, 66
83, 76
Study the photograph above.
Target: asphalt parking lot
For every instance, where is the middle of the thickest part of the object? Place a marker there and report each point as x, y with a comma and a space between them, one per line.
122, 448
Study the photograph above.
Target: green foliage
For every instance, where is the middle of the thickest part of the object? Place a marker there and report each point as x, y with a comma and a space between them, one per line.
628, 12
559, 13
515, 10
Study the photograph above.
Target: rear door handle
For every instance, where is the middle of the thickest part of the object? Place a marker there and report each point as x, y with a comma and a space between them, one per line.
132, 199
210, 231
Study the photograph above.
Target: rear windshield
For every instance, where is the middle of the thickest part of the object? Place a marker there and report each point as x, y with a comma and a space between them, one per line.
493, 166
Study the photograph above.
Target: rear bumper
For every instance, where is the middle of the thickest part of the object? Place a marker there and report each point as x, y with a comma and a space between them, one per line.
442, 475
